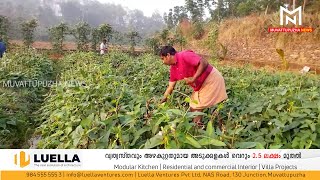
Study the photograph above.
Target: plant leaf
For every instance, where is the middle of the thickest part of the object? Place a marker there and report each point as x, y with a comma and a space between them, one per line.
246, 145
210, 141
139, 133
190, 140
209, 130
153, 142
77, 135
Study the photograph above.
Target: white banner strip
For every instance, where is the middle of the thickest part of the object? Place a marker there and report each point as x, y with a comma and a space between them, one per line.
193, 159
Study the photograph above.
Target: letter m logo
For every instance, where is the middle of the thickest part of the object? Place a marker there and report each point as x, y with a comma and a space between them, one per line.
23, 159
292, 20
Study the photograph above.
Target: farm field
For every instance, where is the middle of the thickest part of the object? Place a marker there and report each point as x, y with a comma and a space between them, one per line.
67, 46
274, 64
113, 102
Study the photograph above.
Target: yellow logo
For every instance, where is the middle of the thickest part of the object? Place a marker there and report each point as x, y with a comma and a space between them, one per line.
23, 159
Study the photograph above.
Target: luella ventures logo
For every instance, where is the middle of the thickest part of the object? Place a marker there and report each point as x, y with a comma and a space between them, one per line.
23, 159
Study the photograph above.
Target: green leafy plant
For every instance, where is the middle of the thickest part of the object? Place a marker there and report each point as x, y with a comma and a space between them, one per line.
285, 63
197, 30
180, 40
212, 40
153, 45
105, 31
133, 37
4, 26
224, 51
28, 29
164, 36
81, 33
95, 38
57, 36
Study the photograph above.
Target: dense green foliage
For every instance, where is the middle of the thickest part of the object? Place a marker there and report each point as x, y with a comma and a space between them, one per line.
274, 111
115, 105
18, 101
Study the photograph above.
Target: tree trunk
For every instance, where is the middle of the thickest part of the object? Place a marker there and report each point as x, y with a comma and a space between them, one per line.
266, 12
304, 5
294, 4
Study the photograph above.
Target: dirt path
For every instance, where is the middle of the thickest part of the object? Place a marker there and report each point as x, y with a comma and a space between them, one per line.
273, 65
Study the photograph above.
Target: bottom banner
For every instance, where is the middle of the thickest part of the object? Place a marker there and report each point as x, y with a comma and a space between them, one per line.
147, 175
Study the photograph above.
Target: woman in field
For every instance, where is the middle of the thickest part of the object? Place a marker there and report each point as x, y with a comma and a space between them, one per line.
206, 81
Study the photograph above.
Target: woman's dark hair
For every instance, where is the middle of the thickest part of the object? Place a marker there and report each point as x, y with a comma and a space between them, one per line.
167, 49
